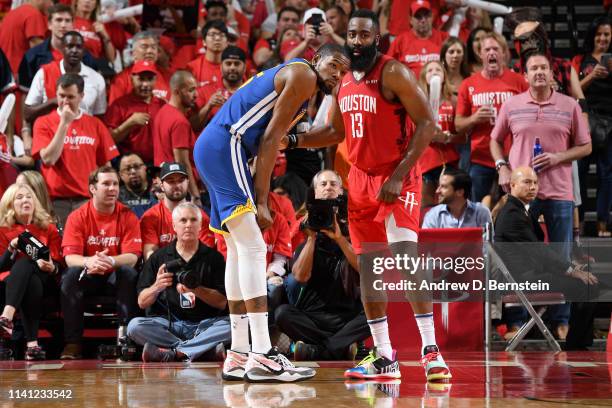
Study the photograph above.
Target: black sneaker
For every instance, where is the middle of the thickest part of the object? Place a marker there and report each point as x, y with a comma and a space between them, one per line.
153, 354
304, 352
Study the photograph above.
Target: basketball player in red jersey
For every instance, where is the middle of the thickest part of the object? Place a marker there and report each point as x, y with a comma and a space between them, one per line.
375, 101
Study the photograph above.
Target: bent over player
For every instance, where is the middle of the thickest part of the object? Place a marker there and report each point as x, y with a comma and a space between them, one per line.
253, 122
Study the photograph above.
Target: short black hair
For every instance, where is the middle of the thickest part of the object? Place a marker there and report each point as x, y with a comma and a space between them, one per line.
339, 9
67, 80
287, 9
215, 3
72, 33
331, 49
461, 180
58, 8
216, 24
365, 13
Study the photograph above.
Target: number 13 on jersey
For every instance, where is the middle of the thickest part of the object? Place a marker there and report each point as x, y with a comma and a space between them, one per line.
357, 124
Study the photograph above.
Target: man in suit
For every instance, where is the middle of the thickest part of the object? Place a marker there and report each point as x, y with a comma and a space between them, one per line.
526, 261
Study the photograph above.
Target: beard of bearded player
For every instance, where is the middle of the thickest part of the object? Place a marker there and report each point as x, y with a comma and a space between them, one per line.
367, 53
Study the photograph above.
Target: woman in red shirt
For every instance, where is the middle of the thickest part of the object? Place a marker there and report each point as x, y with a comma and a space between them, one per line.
97, 40
28, 280
441, 151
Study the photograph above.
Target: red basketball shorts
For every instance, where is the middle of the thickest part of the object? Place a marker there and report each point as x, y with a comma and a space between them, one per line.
367, 215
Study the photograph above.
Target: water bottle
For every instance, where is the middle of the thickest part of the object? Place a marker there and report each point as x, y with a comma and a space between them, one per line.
537, 150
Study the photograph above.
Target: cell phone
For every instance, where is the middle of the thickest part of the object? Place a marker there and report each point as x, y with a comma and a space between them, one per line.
605, 59
315, 20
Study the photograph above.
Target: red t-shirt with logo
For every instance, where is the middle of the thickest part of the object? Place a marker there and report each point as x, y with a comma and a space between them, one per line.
48, 236
18, 27
89, 231
171, 130
476, 91
140, 139
282, 205
156, 227
93, 43
204, 71
122, 85
87, 145
415, 52
439, 154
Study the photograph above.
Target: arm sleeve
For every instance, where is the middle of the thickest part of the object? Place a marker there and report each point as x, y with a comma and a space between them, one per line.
73, 242
130, 241
580, 127
148, 274
464, 107
429, 221
41, 136
147, 229
502, 125
36, 92
100, 105
113, 118
181, 135
36, 26
107, 150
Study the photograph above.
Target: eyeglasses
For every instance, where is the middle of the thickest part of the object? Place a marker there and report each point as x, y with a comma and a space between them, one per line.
215, 35
134, 167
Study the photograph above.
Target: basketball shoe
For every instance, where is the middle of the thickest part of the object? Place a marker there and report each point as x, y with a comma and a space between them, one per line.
274, 367
434, 365
375, 367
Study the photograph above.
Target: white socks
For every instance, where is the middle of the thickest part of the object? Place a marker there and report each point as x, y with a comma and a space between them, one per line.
425, 322
240, 333
380, 334
259, 332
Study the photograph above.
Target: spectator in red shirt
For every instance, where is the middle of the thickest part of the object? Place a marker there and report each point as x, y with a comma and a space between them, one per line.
288, 17
207, 68
173, 137
156, 223
130, 117
422, 43
101, 245
97, 39
480, 98
145, 46
70, 145
212, 96
28, 280
23, 28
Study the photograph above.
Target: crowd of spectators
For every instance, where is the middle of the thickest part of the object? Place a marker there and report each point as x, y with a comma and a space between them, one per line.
96, 158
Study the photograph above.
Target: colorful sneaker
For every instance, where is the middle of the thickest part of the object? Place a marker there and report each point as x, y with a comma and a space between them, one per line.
233, 366
35, 354
274, 367
375, 367
6, 328
434, 365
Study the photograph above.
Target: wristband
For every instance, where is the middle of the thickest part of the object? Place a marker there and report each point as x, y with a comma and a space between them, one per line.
583, 104
499, 163
293, 141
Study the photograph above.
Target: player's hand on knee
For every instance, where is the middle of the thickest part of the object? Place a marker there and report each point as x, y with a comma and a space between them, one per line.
264, 219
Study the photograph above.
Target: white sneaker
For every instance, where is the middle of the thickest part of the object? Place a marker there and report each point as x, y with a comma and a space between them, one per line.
274, 367
233, 366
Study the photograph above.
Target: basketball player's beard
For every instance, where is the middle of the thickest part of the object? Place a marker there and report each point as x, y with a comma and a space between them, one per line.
363, 61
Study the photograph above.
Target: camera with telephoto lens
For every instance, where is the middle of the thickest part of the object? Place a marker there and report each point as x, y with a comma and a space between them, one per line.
321, 213
32, 247
124, 350
187, 277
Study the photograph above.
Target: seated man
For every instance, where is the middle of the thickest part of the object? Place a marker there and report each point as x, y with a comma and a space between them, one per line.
156, 224
197, 306
455, 209
136, 189
525, 260
101, 245
328, 315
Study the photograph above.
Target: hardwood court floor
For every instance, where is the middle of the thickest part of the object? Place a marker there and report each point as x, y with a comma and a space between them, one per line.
526, 379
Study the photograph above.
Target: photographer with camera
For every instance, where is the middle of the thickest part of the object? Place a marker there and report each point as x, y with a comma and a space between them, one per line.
183, 291
33, 257
328, 316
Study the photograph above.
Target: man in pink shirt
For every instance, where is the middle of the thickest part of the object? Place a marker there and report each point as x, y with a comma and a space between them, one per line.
556, 121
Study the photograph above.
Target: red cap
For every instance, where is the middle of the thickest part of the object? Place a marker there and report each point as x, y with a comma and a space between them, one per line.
418, 5
167, 44
144, 66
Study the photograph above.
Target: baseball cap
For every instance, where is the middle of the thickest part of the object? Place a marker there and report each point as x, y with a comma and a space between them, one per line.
233, 52
144, 66
171, 168
418, 5
312, 11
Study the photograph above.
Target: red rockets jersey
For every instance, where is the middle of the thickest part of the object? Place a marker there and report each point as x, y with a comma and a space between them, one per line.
376, 130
